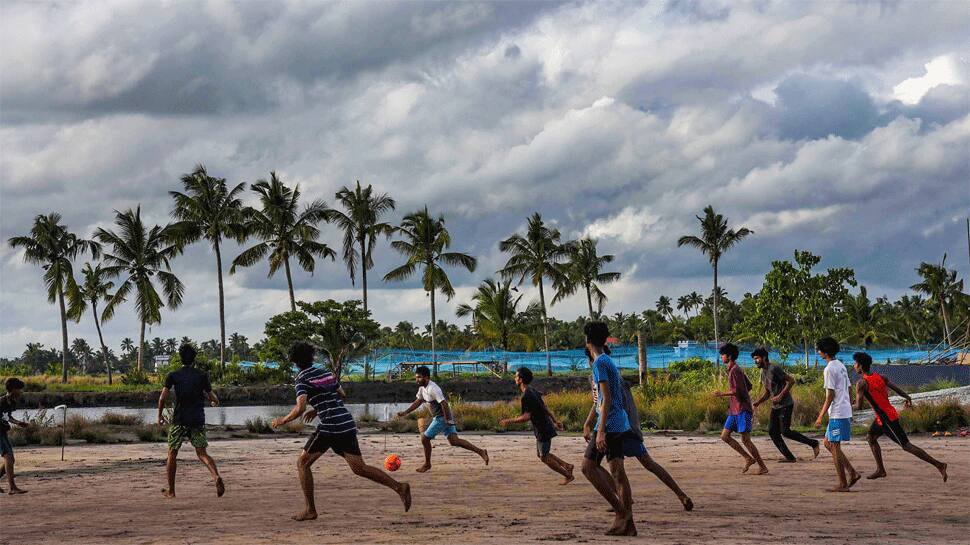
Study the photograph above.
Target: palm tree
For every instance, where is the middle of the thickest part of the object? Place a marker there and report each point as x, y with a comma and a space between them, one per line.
424, 244
637, 326
585, 269
361, 226
82, 353
696, 301
863, 320
942, 287
139, 256
54, 248
209, 210
171, 345
911, 311
715, 240
127, 345
684, 304
94, 289
664, 308
538, 256
496, 317
285, 231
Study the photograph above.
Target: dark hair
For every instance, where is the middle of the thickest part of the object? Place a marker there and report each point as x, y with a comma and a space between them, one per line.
827, 345
422, 370
864, 360
301, 354
596, 333
525, 374
14, 383
187, 354
730, 350
760, 352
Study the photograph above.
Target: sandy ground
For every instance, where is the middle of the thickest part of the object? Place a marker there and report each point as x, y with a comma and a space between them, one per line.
111, 494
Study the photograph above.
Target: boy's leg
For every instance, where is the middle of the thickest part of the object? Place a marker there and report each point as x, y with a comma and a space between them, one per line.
726, 437
426, 444
361, 469
653, 467
922, 455
558, 466
456, 441
624, 524
875, 431
171, 465
786, 431
303, 464
8, 461
210, 464
601, 481
775, 428
746, 439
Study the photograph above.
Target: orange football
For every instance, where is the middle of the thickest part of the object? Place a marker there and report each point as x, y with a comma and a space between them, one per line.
392, 462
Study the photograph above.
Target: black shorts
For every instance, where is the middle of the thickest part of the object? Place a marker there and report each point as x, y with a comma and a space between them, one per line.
892, 429
343, 443
614, 446
543, 447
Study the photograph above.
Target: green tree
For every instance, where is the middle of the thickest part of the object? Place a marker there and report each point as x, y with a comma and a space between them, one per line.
127, 346
864, 322
496, 318
664, 308
425, 241
285, 231
696, 301
281, 331
716, 239
140, 256
942, 287
584, 268
54, 248
361, 224
207, 209
537, 256
795, 306
685, 305
94, 289
344, 331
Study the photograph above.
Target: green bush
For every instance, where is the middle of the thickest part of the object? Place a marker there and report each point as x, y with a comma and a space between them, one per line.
135, 377
116, 419
258, 425
691, 364
939, 384
152, 433
940, 416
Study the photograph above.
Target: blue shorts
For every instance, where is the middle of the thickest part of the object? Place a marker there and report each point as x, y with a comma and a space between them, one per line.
633, 447
438, 425
840, 429
740, 422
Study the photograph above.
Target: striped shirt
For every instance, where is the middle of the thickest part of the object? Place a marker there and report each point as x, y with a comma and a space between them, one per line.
320, 388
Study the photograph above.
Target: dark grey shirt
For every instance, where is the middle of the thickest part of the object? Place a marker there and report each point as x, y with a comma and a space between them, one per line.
773, 378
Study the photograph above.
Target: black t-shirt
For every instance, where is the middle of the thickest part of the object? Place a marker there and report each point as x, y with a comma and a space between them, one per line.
7, 406
191, 386
542, 425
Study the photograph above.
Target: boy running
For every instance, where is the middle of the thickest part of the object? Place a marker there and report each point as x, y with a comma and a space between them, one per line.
544, 424
442, 421
739, 410
192, 389
839, 409
612, 430
873, 387
336, 430
8, 403
778, 384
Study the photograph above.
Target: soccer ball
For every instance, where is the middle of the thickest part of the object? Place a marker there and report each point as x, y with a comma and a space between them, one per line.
392, 462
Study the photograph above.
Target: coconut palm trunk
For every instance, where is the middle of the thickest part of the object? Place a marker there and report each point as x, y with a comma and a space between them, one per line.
434, 354
641, 356
104, 349
289, 284
363, 281
141, 346
222, 309
545, 328
60, 300
717, 338
946, 323
589, 302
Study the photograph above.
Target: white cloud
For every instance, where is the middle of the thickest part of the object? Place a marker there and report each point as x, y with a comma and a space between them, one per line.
943, 70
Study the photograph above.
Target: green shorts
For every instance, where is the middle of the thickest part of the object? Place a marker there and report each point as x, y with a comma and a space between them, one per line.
178, 434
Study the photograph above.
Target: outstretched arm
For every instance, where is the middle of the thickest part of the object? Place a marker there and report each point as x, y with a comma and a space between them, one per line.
524, 417
417, 403
295, 413
909, 400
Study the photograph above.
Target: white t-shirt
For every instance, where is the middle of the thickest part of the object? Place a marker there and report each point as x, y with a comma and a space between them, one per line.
433, 396
837, 379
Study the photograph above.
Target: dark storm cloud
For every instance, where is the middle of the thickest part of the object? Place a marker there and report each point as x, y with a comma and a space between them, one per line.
812, 107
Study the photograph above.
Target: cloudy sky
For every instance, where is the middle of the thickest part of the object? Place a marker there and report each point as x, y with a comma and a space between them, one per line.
841, 128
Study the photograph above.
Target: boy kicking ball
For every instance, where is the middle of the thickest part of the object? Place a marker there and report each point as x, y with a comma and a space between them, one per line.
8, 403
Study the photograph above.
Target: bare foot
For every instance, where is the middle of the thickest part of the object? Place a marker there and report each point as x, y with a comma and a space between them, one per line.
877, 475
854, 479
424, 469
168, 493
220, 487
943, 472
815, 451
839, 489
306, 515
747, 465
688, 504
619, 525
762, 470
630, 529
484, 456
14, 491
568, 479
786, 461
405, 493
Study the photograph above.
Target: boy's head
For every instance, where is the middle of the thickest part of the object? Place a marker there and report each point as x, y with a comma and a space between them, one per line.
827, 347
187, 354
596, 334
760, 357
863, 362
302, 354
523, 376
729, 352
14, 386
422, 375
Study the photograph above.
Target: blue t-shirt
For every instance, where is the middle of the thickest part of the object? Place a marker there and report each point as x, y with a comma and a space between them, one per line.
320, 388
605, 371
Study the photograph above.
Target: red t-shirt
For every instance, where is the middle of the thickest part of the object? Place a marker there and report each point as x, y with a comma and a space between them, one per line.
739, 382
878, 396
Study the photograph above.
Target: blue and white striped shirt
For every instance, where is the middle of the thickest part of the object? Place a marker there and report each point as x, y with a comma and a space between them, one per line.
320, 388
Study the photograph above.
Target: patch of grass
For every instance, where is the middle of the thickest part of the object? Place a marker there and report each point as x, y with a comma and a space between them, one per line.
940, 416
152, 433
939, 384
258, 425
116, 419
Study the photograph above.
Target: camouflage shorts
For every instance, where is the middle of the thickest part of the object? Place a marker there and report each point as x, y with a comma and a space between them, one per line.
178, 434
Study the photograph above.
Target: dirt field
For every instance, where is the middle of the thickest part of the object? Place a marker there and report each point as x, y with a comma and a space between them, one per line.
111, 494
